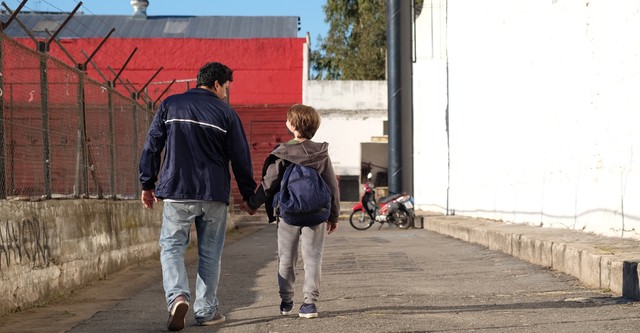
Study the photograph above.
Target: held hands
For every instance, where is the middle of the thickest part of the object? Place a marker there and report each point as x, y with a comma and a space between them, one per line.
148, 198
245, 206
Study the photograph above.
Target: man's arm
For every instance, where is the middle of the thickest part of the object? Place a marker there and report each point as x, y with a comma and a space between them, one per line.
150, 159
238, 150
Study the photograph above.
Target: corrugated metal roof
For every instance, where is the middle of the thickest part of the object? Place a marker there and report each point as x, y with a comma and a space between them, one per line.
98, 26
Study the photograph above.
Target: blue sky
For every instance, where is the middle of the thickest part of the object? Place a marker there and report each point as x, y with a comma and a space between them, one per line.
310, 11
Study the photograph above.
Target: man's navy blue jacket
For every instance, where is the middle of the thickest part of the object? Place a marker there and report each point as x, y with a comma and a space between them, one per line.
202, 135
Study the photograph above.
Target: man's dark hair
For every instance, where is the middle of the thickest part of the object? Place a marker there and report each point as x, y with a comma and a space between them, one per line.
212, 72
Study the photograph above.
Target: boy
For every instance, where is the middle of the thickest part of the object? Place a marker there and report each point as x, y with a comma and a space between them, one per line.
303, 122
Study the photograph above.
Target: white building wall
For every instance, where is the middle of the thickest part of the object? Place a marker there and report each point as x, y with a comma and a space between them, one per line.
346, 95
429, 110
352, 112
543, 112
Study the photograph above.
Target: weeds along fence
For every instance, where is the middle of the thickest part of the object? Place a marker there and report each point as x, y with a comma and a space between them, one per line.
62, 134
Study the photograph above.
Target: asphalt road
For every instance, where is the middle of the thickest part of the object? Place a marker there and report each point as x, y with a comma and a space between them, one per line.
386, 280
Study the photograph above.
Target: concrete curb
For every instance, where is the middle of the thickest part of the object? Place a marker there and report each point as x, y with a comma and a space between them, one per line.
597, 261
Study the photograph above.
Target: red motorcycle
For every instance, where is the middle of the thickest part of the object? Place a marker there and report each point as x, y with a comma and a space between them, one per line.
395, 209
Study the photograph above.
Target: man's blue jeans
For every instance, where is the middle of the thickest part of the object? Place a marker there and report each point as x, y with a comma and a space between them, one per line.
210, 218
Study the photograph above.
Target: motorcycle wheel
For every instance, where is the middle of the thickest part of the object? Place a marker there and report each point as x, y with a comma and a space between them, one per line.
360, 220
403, 219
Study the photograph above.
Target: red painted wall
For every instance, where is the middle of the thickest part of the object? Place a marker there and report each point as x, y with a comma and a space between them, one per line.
266, 71
267, 81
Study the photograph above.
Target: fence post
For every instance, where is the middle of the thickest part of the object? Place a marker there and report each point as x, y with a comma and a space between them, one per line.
44, 102
3, 178
43, 47
82, 182
11, 153
112, 139
136, 152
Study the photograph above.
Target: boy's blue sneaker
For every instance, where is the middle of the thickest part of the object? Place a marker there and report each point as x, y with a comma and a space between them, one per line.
308, 311
214, 319
286, 307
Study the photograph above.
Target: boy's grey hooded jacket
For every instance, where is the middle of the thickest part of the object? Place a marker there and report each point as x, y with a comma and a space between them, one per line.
307, 153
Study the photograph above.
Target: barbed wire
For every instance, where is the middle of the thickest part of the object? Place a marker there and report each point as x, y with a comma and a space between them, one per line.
114, 62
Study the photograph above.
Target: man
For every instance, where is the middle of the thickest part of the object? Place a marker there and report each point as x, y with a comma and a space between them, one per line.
200, 134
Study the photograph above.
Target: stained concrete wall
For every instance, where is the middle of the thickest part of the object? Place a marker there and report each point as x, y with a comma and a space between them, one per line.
50, 248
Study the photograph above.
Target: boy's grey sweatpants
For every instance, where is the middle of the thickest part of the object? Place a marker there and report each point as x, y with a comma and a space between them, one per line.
311, 241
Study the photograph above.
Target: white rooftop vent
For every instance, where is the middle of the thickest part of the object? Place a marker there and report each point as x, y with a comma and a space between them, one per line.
140, 8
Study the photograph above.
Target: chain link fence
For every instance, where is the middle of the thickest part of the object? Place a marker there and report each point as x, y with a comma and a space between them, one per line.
62, 134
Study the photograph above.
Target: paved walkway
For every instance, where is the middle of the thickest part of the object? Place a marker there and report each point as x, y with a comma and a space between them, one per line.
386, 280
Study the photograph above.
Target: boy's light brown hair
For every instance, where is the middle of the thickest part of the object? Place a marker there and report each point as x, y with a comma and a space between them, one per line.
305, 119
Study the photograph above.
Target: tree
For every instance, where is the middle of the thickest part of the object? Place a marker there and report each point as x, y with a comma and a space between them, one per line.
355, 47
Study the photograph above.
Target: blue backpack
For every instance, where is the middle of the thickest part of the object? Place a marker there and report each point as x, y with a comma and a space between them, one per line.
304, 198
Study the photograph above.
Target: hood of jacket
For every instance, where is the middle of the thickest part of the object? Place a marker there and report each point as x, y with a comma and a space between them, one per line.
307, 153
